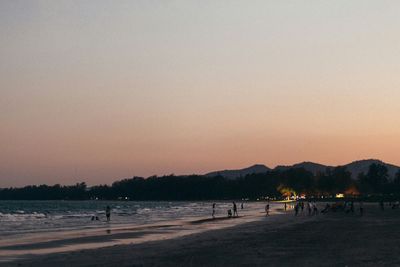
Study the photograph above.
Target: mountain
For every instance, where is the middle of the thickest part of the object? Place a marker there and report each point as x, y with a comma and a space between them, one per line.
309, 166
355, 168
233, 174
360, 166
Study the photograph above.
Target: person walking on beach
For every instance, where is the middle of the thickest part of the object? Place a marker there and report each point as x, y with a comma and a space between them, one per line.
241, 206
108, 213
267, 209
235, 213
213, 210
285, 206
302, 206
361, 208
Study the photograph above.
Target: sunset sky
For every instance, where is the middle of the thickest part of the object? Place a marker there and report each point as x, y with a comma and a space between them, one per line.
97, 91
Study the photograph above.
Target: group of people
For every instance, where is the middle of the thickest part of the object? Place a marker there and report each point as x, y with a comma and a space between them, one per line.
235, 212
299, 207
349, 207
311, 208
108, 215
231, 212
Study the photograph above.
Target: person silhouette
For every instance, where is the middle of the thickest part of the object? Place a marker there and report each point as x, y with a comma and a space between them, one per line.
235, 212
108, 213
267, 209
213, 210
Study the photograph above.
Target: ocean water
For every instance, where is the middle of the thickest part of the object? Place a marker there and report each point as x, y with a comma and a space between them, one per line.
24, 217
41, 227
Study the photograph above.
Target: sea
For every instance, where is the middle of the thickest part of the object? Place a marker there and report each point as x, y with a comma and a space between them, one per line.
39, 227
18, 217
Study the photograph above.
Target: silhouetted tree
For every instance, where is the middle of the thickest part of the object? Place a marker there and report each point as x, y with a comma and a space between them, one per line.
375, 180
342, 179
197, 187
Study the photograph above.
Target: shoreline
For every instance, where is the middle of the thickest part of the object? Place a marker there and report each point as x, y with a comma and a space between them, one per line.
47, 243
333, 239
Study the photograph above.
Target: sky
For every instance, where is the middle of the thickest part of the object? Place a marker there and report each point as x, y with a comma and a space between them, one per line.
98, 90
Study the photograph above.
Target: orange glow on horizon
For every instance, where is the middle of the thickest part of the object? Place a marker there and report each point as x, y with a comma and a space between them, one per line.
106, 91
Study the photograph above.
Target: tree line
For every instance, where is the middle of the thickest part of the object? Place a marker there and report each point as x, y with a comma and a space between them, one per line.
272, 184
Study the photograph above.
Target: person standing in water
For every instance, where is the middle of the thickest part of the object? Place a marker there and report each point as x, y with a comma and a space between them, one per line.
108, 213
213, 210
235, 213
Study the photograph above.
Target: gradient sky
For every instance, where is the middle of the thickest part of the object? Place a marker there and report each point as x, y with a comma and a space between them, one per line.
99, 90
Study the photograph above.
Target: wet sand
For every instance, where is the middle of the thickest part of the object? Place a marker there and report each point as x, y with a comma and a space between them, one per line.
333, 239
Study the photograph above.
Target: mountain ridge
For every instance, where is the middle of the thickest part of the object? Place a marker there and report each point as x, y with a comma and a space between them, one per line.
355, 167
233, 174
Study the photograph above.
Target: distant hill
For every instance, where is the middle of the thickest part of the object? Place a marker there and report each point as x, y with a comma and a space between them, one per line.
233, 174
355, 168
309, 166
360, 166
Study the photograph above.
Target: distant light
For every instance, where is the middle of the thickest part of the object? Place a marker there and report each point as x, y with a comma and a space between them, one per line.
340, 195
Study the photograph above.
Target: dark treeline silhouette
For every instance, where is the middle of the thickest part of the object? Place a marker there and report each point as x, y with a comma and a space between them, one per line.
272, 184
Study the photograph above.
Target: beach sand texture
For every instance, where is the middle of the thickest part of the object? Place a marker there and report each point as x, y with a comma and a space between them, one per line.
333, 239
